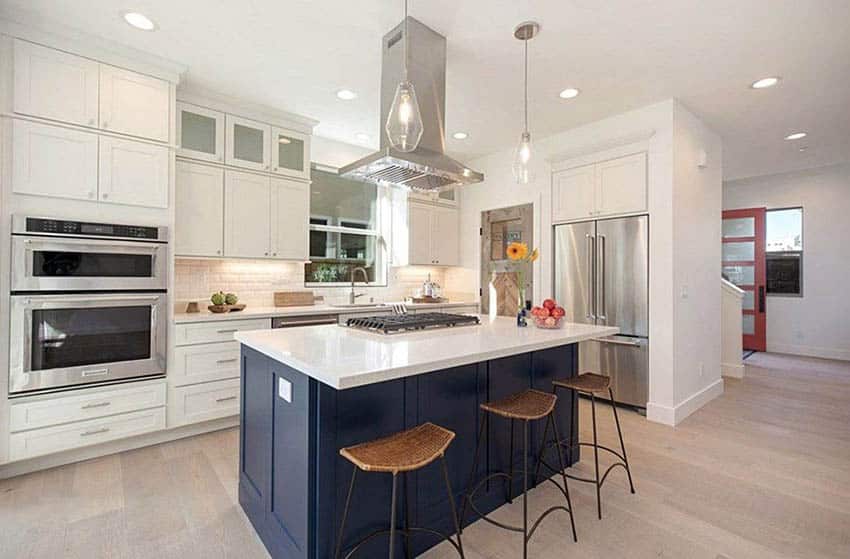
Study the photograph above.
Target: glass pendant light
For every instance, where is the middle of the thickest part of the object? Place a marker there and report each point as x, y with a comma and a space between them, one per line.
522, 157
404, 123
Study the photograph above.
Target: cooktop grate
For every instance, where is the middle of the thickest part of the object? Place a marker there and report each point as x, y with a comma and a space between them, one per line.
396, 323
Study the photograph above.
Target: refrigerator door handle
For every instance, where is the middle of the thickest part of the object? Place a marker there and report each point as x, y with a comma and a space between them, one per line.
635, 343
591, 300
603, 305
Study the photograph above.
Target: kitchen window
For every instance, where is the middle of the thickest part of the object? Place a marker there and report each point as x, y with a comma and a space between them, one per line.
784, 251
345, 231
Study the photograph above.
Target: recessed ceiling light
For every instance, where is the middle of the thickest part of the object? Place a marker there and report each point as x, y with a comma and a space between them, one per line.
569, 93
460, 135
796, 136
765, 82
139, 21
362, 137
804, 148
284, 140
346, 94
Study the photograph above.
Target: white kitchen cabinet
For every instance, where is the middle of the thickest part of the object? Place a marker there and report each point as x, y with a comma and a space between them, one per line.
433, 236
219, 331
199, 208
205, 363
290, 152
574, 193
247, 143
133, 173
200, 133
419, 234
621, 185
55, 85
134, 104
204, 402
53, 161
247, 216
612, 187
290, 210
445, 240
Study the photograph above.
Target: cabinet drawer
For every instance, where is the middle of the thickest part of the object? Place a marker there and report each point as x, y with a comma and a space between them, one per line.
204, 363
84, 433
203, 402
66, 409
207, 332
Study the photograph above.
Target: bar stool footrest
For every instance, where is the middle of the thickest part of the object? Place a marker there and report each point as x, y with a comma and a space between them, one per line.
406, 533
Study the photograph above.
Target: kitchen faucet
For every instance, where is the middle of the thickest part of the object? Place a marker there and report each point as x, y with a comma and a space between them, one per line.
352, 296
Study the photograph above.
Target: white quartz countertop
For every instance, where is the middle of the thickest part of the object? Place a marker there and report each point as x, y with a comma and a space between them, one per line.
270, 312
346, 358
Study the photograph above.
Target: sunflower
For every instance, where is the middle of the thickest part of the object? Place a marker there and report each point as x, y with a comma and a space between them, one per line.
517, 251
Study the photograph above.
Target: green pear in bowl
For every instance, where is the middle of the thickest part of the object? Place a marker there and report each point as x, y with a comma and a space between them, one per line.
231, 299
218, 298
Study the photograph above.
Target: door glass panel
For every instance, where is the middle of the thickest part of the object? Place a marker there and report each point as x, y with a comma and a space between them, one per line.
290, 152
197, 132
247, 143
739, 227
448, 195
74, 337
738, 252
748, 303
740, 275
749, 324
46, 263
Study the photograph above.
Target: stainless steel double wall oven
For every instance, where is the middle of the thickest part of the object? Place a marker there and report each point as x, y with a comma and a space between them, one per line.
88, 305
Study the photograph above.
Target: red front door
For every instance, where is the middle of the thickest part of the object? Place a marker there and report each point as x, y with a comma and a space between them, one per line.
744, 265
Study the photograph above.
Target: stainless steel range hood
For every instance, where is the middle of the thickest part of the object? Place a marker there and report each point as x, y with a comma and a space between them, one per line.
426, 168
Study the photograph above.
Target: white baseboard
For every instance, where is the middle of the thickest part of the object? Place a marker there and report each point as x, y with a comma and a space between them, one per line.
732, 370
672, 416
811, 351
13, 469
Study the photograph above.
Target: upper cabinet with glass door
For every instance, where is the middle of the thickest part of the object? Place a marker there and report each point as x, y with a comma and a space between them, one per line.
200, 133
290, 153
446, 197
247, 143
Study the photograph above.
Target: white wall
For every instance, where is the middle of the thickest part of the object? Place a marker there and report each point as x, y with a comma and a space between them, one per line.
697, 196
817, 323
697, 202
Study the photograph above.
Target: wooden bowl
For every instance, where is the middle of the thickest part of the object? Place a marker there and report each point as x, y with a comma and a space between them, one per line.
226, 308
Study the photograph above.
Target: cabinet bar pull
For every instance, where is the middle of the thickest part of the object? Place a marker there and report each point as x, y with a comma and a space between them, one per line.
97, 405
227, 399
232, 330
94, 432
223, 361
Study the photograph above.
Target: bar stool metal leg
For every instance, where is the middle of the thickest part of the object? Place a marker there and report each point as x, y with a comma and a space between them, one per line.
452, 505
524, 488
345, 515
563, 467
511, 466
622, 446
596, 457
408, 551
392, 516
485, 422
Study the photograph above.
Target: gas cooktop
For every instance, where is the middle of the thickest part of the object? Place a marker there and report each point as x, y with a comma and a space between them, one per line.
397, 323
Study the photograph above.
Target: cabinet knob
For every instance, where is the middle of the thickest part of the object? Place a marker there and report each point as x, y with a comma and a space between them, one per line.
266, 253
106, 125
105, 195
266, 167
218, 252
91, 193
274, 254
91, 122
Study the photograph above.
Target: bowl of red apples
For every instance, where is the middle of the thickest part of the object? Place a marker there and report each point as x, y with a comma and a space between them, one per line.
548, 315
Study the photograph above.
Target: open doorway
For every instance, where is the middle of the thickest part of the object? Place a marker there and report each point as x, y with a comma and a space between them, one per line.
744, 263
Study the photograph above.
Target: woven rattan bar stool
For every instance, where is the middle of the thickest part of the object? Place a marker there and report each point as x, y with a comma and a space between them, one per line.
400, 453
592, 384
527, 406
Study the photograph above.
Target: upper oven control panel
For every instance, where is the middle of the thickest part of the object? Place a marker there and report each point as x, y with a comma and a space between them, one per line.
68, 228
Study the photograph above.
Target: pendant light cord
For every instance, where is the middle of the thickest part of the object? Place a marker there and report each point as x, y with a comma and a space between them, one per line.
526, 83
404, 53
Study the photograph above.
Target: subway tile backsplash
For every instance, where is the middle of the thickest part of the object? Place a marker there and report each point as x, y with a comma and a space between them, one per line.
255, 282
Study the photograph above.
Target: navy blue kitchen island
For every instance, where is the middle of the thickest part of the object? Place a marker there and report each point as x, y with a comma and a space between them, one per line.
293, 481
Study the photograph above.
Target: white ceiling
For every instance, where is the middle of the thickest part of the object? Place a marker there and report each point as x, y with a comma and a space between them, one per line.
622, 54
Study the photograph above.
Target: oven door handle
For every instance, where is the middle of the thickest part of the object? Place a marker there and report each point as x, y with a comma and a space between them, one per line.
92, 299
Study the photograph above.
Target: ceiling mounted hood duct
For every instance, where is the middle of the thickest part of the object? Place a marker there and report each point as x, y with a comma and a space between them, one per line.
426, 168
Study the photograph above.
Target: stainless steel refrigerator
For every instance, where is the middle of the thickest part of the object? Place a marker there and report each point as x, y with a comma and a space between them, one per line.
602, 277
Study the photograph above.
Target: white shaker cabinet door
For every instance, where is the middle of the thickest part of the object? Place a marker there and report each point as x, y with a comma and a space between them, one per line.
53, 161
134, 104
199, 208
133, 173
290, 209
574, 193
246, 215
622, 185
420, 219
55, 85
200, 133
247, 143
445, 239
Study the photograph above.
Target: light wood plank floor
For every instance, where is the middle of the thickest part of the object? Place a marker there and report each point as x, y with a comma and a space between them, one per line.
763, 471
